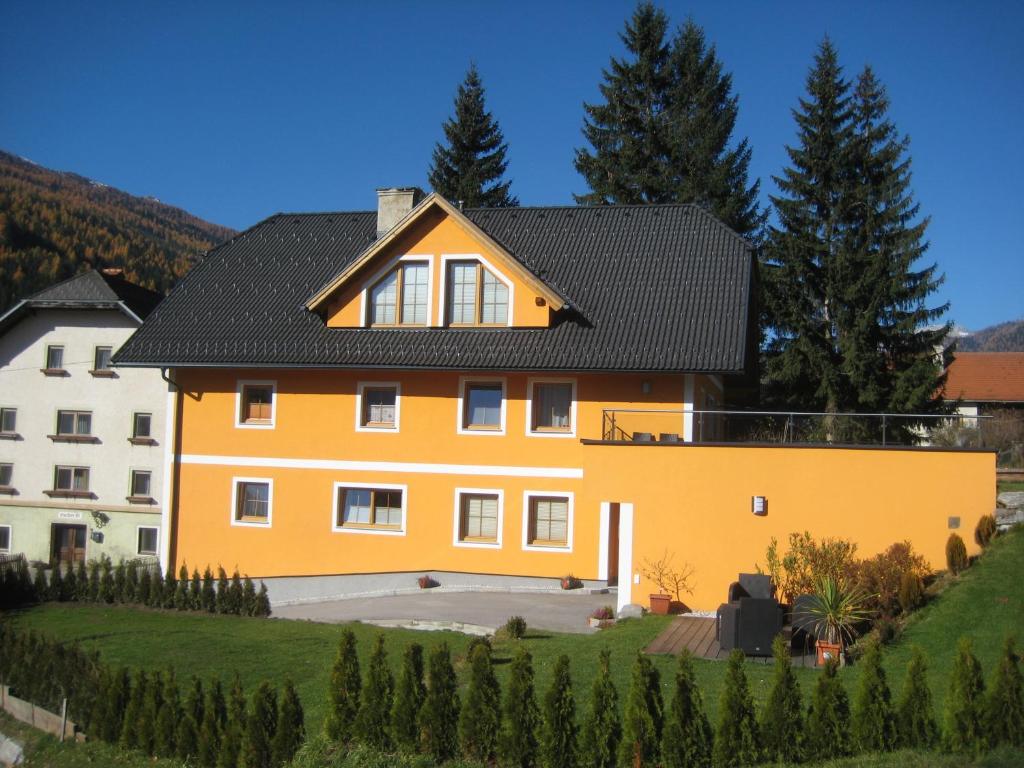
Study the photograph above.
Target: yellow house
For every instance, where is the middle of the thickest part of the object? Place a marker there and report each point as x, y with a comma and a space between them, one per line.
497, 397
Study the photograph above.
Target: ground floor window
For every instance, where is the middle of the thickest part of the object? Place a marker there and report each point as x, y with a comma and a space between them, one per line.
252, 503
148, 537
5, 539
548, 520
479, 516
369, 508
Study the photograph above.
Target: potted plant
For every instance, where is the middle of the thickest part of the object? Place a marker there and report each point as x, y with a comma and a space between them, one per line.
602, 617
832, 615
571, 582
426, 582
670, 580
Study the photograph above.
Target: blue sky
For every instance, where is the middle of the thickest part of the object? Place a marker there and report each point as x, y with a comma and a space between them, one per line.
234, 111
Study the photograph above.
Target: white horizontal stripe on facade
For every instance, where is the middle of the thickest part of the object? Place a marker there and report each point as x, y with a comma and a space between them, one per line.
489, 470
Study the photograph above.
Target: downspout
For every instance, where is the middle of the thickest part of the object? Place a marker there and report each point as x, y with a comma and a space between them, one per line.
172, 418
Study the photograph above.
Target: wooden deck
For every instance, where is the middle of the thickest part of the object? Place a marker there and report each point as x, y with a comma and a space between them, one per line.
697, 635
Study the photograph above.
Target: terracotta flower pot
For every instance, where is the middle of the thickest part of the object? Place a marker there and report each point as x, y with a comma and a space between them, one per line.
828, 651
660, 604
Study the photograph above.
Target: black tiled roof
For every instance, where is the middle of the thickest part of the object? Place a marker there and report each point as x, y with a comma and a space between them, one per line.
88, 290
650, 288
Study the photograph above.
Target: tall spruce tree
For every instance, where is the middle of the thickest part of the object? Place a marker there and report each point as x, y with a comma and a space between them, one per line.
602, 728
409, 695
643, 717
558, 747
664, 131
439, 715
849, 327
234, 726
874, 729
736, 739
521, 718
291, 727
373, 721
782, 722
686, 737
260, 729
480, 717
965, 727
343, 695
915, 713
828, 719
470, 166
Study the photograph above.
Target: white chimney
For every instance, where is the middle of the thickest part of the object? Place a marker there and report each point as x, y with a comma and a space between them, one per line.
393, 204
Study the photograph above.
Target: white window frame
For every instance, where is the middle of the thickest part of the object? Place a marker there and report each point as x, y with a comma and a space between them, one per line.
339, 484
527, 496
138, 530
442, 304
239, 387
363, 386
10, 539
530, 431
457, 518
134, 424
466, 380
364, 294
234, 501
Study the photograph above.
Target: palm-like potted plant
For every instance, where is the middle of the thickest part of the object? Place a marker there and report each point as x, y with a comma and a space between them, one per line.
832, 615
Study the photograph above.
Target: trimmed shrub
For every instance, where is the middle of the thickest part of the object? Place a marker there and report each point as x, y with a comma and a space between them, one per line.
911, 592
515, 627
964, 732
262, 605
985, 530
559, 729
130, 592
151, 706
439, 716
782, 721
156, 590
828, 720
120, 582
409, 696
170, 589
142, 591
373, 720
70, 591
207, 593
222, 600
234, 604
686, 740
956, 554
94, 581
260, 729
182, 601
117, 694
602, 728
208, 740
194, 701
644, 716
343, 694
517, 743
915, 714
40, 585
129, 737
874, 729
291, 727
195, 592
234, 727
1004, 707
248, 597
736, 740
82, 582
167, 719
186, 737
480, 716
56, 588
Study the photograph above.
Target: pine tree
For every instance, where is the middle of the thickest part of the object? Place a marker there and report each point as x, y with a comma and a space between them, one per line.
1004, 707
234, 605
118, 693
167, 719
373, 720
517, 741
182, 602
260, 729
151, 706
291, 727
782, 722
94, 581
120, 581
262, 607
558, 748
214, 720
131, 584
130, 736
194, 701
874, 729
207, 594
439, 715
82, 582
343, 695
409, 695
248, 597
644, 716
156, 590
470, 167
186, 737
55, 592
828, 720
480, 717
915, 713
40, 586
223, 601
170, 589
845, 302
687, 737
70, 583
234, 727
964, 730
195, 592
108, 591
602, 728
97, 725
736, 740
142, 593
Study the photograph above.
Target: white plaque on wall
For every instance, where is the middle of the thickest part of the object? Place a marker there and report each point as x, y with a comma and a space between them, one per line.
66, 515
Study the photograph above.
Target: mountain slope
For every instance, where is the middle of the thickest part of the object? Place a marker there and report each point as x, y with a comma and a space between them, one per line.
1005, 337
55, 224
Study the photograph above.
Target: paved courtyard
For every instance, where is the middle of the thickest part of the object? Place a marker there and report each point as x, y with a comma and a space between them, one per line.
550, 611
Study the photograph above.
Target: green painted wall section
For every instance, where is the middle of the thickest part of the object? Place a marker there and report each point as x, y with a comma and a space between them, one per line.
31, 530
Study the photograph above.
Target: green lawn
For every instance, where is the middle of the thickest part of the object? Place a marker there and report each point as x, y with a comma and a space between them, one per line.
1010, 485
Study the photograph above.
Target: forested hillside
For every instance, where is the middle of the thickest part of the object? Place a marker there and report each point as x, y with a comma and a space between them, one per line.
54, 225
1005, 337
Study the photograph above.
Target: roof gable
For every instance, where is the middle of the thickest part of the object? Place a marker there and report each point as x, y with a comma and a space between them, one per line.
996, 377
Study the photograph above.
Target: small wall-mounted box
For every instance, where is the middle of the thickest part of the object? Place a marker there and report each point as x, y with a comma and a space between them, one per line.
759, 505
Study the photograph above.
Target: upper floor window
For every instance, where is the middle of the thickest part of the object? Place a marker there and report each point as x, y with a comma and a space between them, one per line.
101, 362
5, 539
141, 486
400, 298
475, 295
6, 475
55, 360
255, 404
551, 407
142, 428
71, 481
378, 406
74, 426
482, 407
8, 421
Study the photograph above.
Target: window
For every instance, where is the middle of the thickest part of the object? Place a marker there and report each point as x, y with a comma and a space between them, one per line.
55, 358
8, 421
547, 521
148, 538
369, 509
5, 539
482, 407
252, 501
74, 423
101, 361
141, 482
6, 475
255, 404
142, 425
400, 298
551, 408
477, 517
378, 406
475, 295
73, 480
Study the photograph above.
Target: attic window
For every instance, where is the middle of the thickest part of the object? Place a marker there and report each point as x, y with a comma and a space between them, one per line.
475, 295
400, 298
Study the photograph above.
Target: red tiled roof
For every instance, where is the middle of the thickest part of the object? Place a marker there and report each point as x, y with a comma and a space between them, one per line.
986, 377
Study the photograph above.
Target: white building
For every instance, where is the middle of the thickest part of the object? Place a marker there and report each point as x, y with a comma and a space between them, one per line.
81, 445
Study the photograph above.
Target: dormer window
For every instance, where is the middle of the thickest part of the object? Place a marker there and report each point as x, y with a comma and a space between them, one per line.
475, 295
400, 298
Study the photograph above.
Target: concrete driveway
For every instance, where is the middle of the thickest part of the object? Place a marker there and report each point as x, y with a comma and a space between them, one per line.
441, 610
